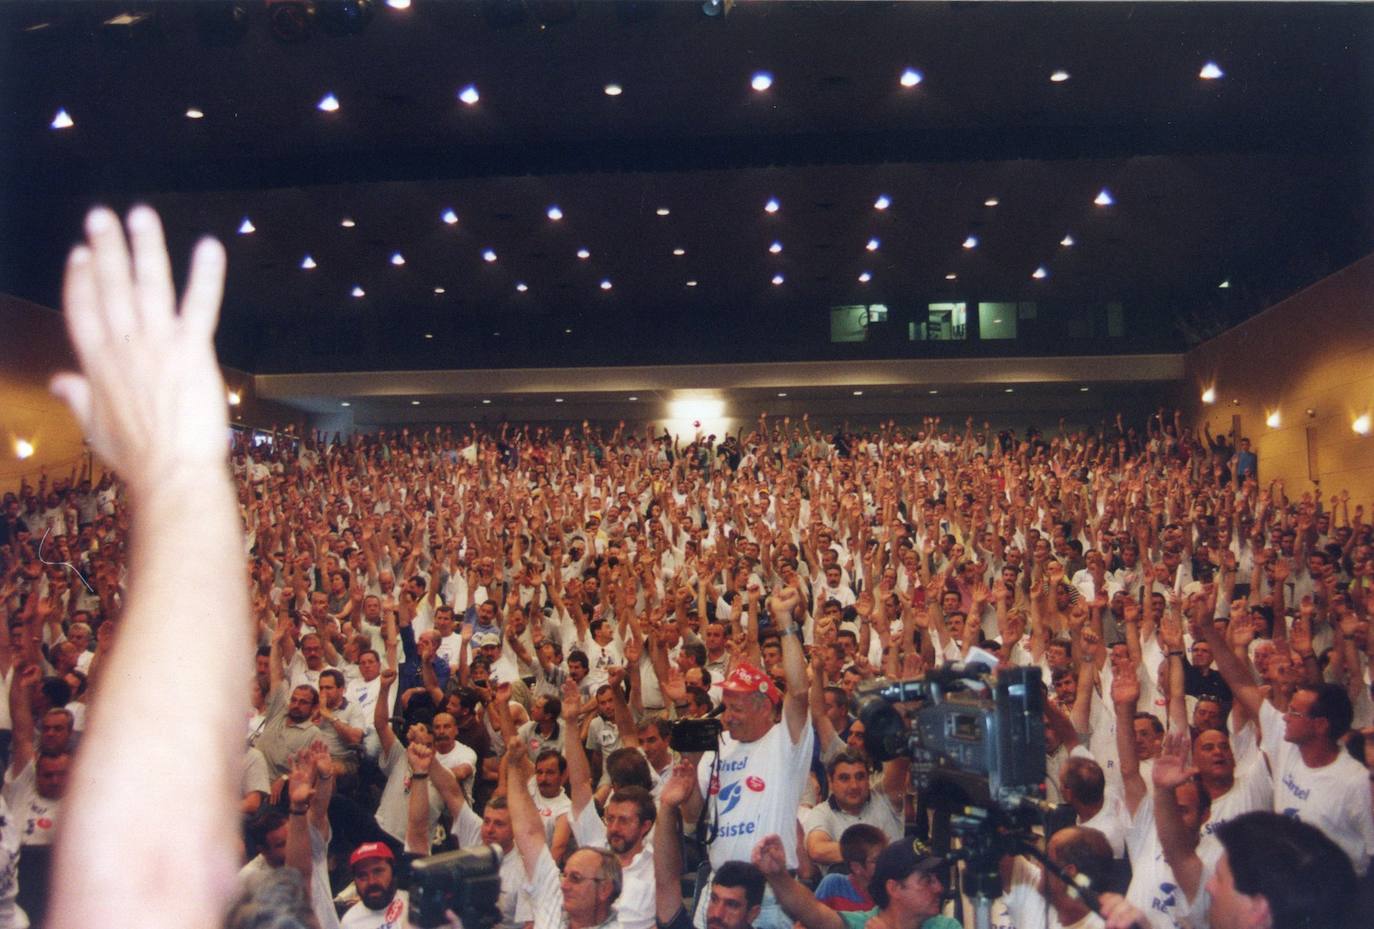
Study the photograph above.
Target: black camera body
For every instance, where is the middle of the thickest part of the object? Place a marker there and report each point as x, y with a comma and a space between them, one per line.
466, 882
982, 736
695, 735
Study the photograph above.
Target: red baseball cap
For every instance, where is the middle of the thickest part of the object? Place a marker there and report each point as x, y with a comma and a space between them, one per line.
747, 679
368, 851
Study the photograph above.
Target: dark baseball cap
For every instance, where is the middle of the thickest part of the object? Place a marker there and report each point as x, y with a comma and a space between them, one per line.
903, 858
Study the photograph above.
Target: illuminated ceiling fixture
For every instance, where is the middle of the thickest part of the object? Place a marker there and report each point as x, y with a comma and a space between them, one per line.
440, 290
858, 393
1272, 420
348, 223
910, 77
358, 291
775, 248
632, 399
691, 283
1059, 77
777, 279
195, 113
583, 254
606, 284
1224, 285
1104, 198
398, 4
1040, 273
429, 335
883, 202
1210, 72
488, 256
415, 403
557, 399
1067, 241
486, 402
613, 90
1361, 425
782, 393
679, 252
344, 403
554, 213
772, 206
663, 211
761, 81
398, 259
328, 104
951, 276
1009, 390
469, 94
971, 242
1209, 395
449, 217
61, 121
865, 277
522, 287
246, 227
308, 263
717, 8
991, 201
872, 245
1083, 390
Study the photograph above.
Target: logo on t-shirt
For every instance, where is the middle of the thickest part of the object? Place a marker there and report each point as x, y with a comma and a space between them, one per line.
754, 783
729, 796
393, 912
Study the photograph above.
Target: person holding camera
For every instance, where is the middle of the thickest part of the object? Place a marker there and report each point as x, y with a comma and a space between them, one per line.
754, 782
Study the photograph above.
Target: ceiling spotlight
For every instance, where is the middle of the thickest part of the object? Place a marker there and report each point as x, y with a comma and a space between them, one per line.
246, 227
606, 284
1210, 72
782, 393
1040, 273
397, 259
308, 263
883, 202
195, 113
1083, 390
761, 81
554, 213
679, 252
440, 290
344, 403
991, 201
1067, 241
777, 279
932, 392
951, 276
613, 90
488, 255
415, 403
1209, 395
1361, 425
772, 206
429, 335
663, 211
234, 398
567, 332
865, 277
1272, 420
328, 104
487, 402
1104, 198
557, 399
858, 393
358, 291
872, 245
469, 94
1224, 285
691, 283
1009, 390
717, 7
775, 248
910, 78
61, 121
971, 242
449, 217
398, 4
1059, 77
348, 223
632, 399
522, 287
583, 254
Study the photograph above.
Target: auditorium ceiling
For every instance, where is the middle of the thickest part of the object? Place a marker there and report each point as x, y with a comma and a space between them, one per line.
561, 184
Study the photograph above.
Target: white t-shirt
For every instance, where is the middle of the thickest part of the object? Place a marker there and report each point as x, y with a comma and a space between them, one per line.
1153, 888
321, 898
1334, 798
393, 810
395, 915
461, 754
757, 793
11, 916
1253, 790
634, 908
35, 816
550, 808
1023, 906
1112, 821
513, 903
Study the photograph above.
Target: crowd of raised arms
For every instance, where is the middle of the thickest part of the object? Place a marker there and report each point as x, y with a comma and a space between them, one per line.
486, 636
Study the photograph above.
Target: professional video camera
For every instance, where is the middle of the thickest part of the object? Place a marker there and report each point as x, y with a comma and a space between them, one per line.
977, 749
466, 882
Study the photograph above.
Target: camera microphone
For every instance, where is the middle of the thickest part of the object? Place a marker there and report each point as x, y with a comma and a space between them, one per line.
715, 711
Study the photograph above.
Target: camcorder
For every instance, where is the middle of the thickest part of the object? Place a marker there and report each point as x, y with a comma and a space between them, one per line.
466, 882
695, 735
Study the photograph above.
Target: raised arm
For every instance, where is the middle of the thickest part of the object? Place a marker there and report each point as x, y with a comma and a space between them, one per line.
782, 606
524, 815
679, 786
150, 399
1125, 697
793, 896
1178, 842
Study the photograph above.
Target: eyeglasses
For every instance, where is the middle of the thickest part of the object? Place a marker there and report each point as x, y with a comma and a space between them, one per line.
1300, 715
577, 880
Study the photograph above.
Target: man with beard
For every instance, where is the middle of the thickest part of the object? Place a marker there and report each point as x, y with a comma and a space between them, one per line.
381, 905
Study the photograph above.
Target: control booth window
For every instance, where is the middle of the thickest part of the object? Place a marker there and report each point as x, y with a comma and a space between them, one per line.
998, 320
851, 323
944, 322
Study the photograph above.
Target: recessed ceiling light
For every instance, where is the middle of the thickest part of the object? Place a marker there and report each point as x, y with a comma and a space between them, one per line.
1009, 390
61, 121
415, 403
613, 90
761, 81
1067, 241
1040, 273
865, 277
971, 242
632, 399
1083, 390
195, 113
429, 335
782, 393
1060, 76
910, 78
398, 4
777, 279
1224, 285
858, 393
775, 248
872, 245
951, 276
246, 227
486, 401
567, 332
496, 334
663, 211
488, 255
557, 399
606, 284
307, 263
997, 322
344, 403
583, 254
883, 202
554, 213
328, 104
933, 392
521, 287
397, 259
1104, 198
1210, 72
691, 283
772, 206
358, 291
449, 217
348, 223
991, 201
439, 290
679, 252
469, 94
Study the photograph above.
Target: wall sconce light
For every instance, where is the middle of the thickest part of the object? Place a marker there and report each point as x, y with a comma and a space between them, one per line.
1311, 413
23, 449
1272, 420
1361, 425
1209, 395
235, 398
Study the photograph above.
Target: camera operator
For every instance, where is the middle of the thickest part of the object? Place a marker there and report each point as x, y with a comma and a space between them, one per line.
756, 779
1027, 887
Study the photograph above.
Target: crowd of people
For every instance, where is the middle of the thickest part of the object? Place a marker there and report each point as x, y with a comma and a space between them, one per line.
496, 636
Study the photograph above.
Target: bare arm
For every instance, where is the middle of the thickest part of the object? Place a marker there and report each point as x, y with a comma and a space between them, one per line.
793, 896
1175, 838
